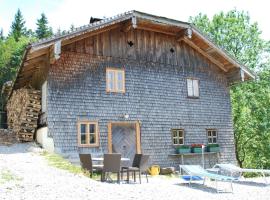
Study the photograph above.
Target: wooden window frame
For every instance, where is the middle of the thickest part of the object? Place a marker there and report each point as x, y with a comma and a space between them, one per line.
115, 81
178, 138
193, 96
211, 137
87, 122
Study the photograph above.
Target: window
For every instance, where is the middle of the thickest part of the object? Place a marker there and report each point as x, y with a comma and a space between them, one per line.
115, 80
88, 134
193, 87
178, 136
212, 136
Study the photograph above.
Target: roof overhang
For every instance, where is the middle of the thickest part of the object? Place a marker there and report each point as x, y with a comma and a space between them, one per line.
40, 52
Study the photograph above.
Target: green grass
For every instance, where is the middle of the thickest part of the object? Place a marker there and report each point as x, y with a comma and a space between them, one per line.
59, 162
7, 175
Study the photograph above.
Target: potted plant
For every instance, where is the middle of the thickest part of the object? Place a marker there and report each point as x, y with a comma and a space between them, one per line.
183, 149
213, 148
196, 148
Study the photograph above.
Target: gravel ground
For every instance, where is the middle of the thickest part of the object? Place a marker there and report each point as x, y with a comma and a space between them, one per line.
32, 178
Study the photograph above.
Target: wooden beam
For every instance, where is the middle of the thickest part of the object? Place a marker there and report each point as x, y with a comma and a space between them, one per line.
138, 137
155, 30
35, 60
92, 33
109, 137
187, 32
126, 27
194, 46
210, 50
33, 54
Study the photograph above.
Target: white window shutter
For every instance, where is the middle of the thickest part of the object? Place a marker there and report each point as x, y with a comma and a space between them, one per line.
189, 87
196, 88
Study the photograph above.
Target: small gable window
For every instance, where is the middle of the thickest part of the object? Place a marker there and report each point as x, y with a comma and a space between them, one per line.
212, 136
193, 87
178, 136
88, 134
115, 80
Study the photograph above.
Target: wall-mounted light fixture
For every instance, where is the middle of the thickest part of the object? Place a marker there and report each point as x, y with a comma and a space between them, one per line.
126, 116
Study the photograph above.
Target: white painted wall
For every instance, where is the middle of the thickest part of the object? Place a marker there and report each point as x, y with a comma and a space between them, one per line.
45, 141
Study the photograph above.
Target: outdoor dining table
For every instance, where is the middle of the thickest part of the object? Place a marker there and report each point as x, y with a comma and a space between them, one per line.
101, 159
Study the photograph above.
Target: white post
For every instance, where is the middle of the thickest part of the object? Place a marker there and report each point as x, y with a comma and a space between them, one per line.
203, 155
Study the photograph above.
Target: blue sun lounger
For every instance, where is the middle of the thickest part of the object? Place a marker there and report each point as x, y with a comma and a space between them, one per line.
235, 169
198, 171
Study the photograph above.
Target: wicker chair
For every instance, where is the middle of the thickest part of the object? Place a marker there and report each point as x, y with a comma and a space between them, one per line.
140, 165
86, 163
112, 164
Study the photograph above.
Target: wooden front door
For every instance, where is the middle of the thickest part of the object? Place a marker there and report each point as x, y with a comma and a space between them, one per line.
124, 138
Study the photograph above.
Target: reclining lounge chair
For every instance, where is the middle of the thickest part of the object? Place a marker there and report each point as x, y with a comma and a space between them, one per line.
196, 170
235, 169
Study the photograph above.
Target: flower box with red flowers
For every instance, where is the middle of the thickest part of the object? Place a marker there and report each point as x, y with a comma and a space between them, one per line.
197, 148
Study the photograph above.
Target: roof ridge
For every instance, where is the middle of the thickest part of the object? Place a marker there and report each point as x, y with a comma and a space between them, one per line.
80, 28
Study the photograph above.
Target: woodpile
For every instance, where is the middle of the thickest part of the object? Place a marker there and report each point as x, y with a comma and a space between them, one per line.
23, 109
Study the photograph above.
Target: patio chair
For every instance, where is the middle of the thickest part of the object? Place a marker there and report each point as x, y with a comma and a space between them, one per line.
235, 169
111, 164
196, 170
134, 168
87, 164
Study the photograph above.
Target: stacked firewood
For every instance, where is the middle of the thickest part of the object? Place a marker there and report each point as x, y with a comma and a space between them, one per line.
23, 109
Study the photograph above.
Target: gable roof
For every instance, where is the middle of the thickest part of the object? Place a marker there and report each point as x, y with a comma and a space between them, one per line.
183, 31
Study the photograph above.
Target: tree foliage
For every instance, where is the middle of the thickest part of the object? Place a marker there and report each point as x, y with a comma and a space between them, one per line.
234, 32
43, 30
18, 28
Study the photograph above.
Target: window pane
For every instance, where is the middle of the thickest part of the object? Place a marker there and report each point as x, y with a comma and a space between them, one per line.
180, 133
181, 141
92, 138
174, 133
83, 128
175, 141
214, 133
214, 140
209, 134
92, 128
209, 140
189, 87
110, 82
120, 81
196, 88
83, 138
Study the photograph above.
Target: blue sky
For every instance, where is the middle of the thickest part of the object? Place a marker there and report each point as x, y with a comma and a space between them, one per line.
63, 13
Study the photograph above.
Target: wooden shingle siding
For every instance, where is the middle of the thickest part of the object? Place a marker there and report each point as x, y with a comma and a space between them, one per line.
155, 94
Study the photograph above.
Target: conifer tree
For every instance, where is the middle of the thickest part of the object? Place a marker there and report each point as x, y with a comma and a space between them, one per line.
18, 28
43, 30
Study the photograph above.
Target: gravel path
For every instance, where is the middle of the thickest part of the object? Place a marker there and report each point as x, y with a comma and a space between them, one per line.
33, 179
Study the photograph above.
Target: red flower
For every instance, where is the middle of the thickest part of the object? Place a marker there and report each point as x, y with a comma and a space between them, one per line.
197, 145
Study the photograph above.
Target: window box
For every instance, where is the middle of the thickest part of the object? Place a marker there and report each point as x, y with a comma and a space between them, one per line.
213, 148
183, 149
197, 148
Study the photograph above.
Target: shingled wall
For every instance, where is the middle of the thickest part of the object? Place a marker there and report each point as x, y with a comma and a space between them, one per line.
156, 95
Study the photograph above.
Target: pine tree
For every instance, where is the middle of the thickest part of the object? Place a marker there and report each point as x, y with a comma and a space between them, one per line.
18, 26
72, 27
43, 30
